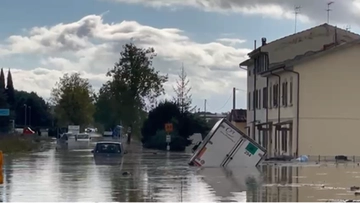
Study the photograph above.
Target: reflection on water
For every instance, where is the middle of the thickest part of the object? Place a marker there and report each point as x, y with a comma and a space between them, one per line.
142, 175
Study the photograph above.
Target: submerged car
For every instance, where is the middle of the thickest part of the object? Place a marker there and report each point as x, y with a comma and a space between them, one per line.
108, 148
83, 137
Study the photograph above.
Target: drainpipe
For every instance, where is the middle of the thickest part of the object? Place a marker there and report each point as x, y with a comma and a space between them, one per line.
279, 105
297, 108
254, 117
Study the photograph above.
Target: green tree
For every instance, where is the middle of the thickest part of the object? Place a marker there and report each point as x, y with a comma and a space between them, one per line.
73, 99
38, 111
182, 91
184, 125
10, 90
4, 120
105, 108
134, 83
2, 80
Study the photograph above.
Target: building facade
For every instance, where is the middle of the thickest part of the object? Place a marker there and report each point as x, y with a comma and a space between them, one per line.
279, 94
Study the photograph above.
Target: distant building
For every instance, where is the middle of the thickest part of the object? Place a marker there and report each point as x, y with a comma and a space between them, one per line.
303, 93
238, 118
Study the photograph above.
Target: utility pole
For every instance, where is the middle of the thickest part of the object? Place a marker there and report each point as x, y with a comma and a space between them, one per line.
205, 108
25, 116
29, 116
234, 98
297, 11
328, 11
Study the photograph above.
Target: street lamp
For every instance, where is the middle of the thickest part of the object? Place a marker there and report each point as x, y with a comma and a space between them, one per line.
29, 116
25, 116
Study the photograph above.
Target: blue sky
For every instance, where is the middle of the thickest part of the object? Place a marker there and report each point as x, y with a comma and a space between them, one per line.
39, 50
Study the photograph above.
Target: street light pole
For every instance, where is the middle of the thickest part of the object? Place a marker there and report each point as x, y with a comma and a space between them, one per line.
29, 116
25, 116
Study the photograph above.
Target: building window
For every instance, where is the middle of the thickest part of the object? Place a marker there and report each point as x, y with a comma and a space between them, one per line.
291, 92
254, 99
265, 98
284, 93
284, 141
259, 98
276, 95
262, 63
249, 71
270, 96
249, 100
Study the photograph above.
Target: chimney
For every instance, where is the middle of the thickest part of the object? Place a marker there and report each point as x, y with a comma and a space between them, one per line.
263, 41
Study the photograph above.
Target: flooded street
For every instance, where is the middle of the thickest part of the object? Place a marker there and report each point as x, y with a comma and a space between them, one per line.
145, 175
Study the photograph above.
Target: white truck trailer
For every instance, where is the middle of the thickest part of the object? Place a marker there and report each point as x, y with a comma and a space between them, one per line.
226, 146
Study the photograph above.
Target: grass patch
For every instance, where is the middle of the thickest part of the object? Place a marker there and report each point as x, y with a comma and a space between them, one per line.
18, 143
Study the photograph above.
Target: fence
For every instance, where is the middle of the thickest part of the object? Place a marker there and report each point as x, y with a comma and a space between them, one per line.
320, 159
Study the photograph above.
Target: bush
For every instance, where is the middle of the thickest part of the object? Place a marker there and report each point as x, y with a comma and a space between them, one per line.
159, 141
17, 143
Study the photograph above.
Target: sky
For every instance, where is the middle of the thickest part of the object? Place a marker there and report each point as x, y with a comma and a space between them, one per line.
40, 40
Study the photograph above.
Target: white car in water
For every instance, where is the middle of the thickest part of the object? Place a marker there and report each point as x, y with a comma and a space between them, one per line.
82, 137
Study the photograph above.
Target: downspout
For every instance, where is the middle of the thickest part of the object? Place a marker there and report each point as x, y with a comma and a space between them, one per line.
254, 103
277, 137
297, 108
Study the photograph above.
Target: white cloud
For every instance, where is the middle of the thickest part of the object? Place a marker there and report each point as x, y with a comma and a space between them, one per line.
92, 46
343, 11
231, 41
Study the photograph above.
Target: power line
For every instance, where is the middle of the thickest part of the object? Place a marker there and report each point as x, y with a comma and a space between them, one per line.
225, 103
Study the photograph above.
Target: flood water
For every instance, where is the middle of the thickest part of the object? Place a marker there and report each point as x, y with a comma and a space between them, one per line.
70, 175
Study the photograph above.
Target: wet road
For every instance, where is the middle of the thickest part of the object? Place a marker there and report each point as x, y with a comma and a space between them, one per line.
73, 175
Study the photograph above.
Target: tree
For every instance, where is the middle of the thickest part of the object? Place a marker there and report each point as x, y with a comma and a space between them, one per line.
134, 83
184, 125
10, 90
105, 111
73, 99
2, 80
182, 91
38, 111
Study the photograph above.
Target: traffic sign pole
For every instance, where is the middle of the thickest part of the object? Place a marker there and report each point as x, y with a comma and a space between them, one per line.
168, 140
168, 129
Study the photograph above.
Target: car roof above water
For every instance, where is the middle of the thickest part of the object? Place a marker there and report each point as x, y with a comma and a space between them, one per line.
108, 142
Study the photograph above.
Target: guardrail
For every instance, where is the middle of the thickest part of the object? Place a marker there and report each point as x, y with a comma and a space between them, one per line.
319, 158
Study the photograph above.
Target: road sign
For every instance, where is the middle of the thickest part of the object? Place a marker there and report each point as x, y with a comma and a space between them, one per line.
4, 112
168, 138
168, 127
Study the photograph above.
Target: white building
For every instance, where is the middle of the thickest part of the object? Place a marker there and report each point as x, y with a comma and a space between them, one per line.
274, 83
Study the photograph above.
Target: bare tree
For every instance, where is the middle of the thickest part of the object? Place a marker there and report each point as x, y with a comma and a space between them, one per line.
182, 91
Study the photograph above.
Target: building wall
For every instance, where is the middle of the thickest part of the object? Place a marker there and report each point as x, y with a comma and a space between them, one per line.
287, 111
280, 51
260, 112
329, 104
241, 126
309, 40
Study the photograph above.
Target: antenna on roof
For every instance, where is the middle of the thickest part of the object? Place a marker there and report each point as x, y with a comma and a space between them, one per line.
328, 10
297, 11
348, 27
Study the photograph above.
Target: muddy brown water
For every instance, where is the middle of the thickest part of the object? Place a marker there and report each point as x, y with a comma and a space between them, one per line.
72, 175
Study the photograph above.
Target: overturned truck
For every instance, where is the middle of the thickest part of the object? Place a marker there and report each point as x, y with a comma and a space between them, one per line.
227, 146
